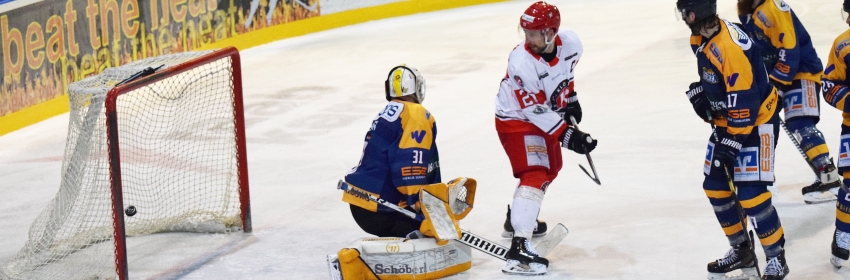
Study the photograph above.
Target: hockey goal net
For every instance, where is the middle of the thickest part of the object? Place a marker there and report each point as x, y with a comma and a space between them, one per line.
169, 145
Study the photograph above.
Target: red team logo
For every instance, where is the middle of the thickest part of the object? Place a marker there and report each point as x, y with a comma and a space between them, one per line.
560, 98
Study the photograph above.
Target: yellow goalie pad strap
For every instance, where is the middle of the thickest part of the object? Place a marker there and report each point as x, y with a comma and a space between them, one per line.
465, 199
353, 267
359, 201
439, 222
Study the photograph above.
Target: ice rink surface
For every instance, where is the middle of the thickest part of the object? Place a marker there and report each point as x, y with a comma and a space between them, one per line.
310, 100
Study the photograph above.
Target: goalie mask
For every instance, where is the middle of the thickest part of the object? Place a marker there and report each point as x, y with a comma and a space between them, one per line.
402, 81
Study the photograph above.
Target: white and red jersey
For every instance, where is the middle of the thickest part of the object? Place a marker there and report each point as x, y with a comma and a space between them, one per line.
533, 90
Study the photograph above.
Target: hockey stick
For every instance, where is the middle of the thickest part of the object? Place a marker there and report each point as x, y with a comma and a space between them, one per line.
797, 145
740, 209
595, 176
467, 238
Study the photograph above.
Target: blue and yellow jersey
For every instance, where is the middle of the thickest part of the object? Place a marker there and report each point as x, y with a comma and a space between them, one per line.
835, 79
399, 156
733, 77
778, 30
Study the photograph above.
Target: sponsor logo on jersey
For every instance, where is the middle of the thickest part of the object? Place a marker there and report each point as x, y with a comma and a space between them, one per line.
844, 151
709, 76
732, 80
840, 46
747, 163
761, 17
544, 75
570, 56
793, 100
398, 269
418, 171
518, 81
418, 135
715, 52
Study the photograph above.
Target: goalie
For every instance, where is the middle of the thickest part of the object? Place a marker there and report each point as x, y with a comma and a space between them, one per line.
400, 165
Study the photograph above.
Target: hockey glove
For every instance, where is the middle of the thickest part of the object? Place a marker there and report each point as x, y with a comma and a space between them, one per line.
573, 109
726, 149
698, 100
577, 141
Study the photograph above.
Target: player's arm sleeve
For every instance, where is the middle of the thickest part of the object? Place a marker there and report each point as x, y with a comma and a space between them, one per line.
742, 100
532, 100
783, 37
835, 85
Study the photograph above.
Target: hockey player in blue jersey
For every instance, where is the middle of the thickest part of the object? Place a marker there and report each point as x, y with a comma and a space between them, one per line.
795, 69
836, 89
734, 94
399, 156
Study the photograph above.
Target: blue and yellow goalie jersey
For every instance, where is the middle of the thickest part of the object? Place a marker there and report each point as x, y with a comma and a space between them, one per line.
789, 52
733, 77
399, 156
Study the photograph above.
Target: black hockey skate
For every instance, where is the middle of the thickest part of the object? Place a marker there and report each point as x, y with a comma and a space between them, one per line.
539, 230
522, 259
777, 268
739, 257
825, 189
839, 254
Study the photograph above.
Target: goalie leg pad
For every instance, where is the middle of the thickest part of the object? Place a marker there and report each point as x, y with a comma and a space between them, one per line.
398, 258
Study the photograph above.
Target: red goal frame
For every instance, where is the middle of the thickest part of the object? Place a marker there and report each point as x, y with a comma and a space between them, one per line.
114, 153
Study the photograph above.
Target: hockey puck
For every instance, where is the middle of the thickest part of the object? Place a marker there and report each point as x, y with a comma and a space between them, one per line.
130, 211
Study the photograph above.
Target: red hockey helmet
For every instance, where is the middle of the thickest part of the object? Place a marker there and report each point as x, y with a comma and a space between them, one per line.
540, 16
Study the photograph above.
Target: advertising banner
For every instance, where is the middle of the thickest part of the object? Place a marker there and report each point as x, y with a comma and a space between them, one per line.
45, 46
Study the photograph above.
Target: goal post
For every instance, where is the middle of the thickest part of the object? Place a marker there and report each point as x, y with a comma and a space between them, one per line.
161, 153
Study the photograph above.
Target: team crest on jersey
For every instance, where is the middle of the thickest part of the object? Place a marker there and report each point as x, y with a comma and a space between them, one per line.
709, 76
760, 15
539, 110
715, 52
560, 97
739, 36
518, 81
781, 5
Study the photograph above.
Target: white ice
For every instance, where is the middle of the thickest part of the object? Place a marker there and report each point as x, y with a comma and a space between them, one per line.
310, 100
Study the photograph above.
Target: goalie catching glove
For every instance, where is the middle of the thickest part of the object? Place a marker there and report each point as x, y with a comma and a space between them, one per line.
577, 141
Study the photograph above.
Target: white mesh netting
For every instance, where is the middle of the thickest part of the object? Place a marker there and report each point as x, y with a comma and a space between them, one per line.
178, 159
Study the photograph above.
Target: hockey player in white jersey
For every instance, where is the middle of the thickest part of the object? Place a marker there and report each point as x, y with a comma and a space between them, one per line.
534, 109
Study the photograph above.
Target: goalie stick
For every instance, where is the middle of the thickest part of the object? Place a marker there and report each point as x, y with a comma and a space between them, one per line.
544, 247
